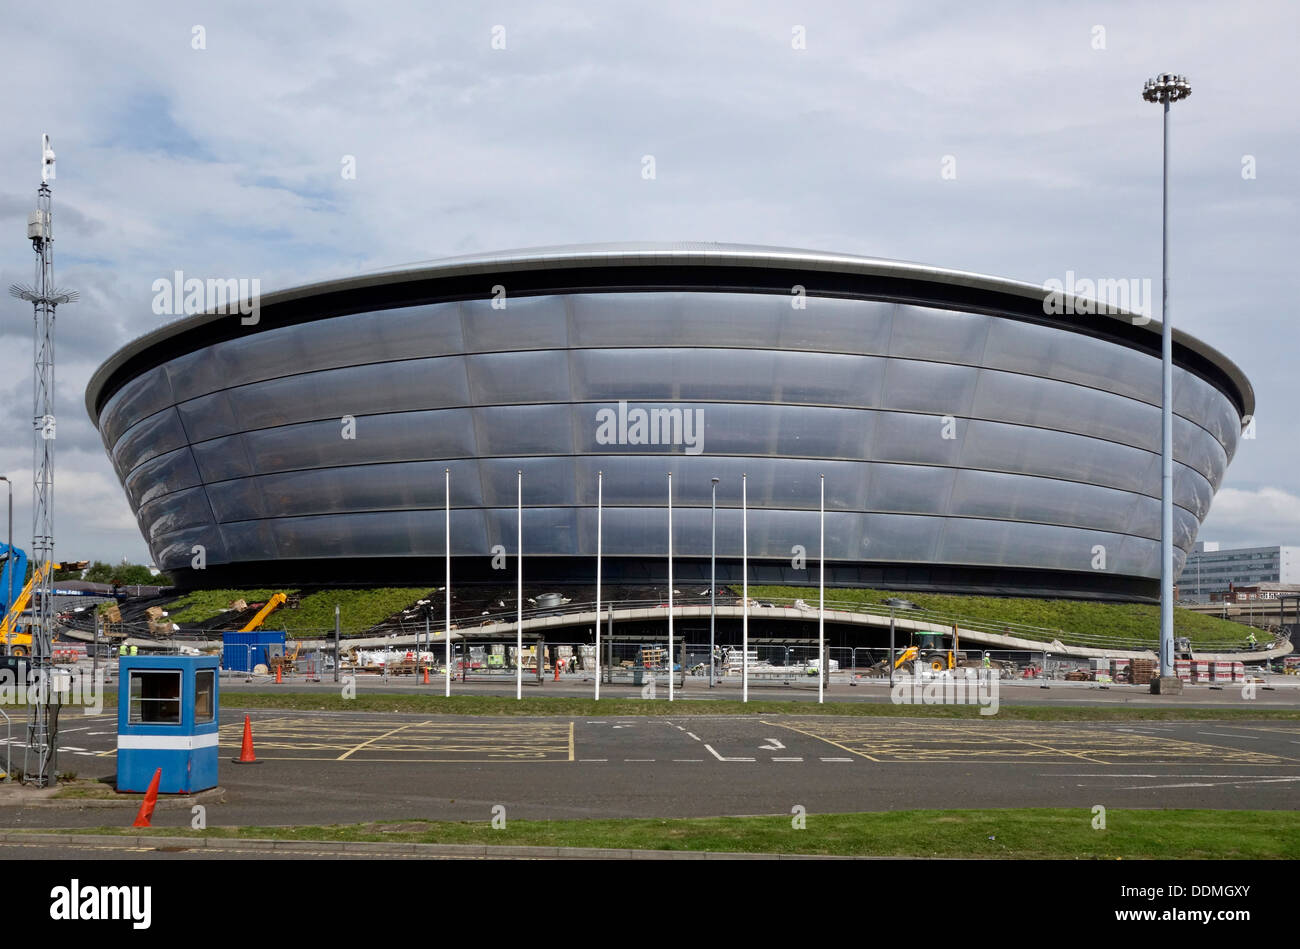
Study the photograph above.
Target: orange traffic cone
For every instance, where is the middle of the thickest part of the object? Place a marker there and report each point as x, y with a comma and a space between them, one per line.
426, 675
145, 815
279, 675
246, 755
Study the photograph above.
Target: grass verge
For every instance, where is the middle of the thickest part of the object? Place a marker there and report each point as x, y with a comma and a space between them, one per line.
504, 705
1037, 833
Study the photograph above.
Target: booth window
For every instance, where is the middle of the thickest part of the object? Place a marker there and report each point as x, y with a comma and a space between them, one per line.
156, 696
204, 693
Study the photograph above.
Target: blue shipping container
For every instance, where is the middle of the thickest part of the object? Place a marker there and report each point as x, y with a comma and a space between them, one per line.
242, 652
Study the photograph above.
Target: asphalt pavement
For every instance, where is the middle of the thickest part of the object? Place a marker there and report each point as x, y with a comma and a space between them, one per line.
324, 767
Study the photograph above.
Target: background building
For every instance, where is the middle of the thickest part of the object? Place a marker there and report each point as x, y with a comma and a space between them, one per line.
1210, 569
969, 440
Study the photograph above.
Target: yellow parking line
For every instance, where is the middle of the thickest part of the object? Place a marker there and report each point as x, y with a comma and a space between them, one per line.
529, 760
370, 741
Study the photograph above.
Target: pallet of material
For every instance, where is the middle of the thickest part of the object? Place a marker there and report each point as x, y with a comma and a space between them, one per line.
1142, 671
1223, 671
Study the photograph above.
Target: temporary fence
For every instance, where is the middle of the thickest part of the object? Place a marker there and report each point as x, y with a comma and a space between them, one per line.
8, 738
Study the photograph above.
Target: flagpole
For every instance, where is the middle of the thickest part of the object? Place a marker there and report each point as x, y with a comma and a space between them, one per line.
600, 485
447, 548
822, 665
670, 586
519, 593
744, 571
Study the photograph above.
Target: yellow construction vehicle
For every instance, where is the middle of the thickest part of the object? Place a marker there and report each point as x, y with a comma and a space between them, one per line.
286, 661
273, 604
935, 661
16, 641
930, 656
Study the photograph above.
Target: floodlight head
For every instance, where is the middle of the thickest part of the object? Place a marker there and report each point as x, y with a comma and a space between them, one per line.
60, 295
1166, 87
47, 159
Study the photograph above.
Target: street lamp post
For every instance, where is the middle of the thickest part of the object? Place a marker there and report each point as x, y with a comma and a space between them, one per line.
1166, 89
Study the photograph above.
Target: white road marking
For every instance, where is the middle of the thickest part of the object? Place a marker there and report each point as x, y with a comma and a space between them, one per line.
638, 759
1208, 784
593, 759
684, 760
70, 748
837, 759
775, 746
697, 737
715, 754
787, 759
1222, 735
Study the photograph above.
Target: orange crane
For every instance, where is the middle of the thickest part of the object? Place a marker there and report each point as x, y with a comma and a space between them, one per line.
15, 640
273, 604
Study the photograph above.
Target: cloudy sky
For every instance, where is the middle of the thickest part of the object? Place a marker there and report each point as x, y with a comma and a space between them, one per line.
210, 138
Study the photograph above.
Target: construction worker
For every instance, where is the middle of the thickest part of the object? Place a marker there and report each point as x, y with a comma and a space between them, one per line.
121, 650
134, 649
988, 662
1252, 640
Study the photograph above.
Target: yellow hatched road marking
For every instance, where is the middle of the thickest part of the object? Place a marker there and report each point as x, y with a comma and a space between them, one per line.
348, 754
852, 751
1050, 748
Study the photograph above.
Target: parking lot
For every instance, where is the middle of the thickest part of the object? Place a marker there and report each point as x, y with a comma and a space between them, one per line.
325, 767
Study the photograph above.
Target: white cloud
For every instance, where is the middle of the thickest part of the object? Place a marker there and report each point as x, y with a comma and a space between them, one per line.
1255, 517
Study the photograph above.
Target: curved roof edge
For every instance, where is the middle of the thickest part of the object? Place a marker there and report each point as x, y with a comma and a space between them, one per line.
701, 254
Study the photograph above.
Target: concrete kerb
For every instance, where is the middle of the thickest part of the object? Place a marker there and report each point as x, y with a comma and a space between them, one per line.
18, 795
395, 849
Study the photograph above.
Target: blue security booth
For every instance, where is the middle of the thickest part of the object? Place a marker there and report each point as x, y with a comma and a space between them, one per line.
167, 715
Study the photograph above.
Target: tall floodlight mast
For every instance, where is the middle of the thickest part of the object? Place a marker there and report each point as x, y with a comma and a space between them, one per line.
1166, 89
42, 728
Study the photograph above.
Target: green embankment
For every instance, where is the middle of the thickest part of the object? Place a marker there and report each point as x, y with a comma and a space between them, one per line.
1046, 833
358, 609
361, 609
1134, 621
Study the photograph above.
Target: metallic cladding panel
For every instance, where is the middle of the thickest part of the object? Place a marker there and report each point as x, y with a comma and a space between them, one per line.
946, 437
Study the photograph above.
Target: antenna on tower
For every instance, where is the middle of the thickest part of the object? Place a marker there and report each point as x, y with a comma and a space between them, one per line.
39, 765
